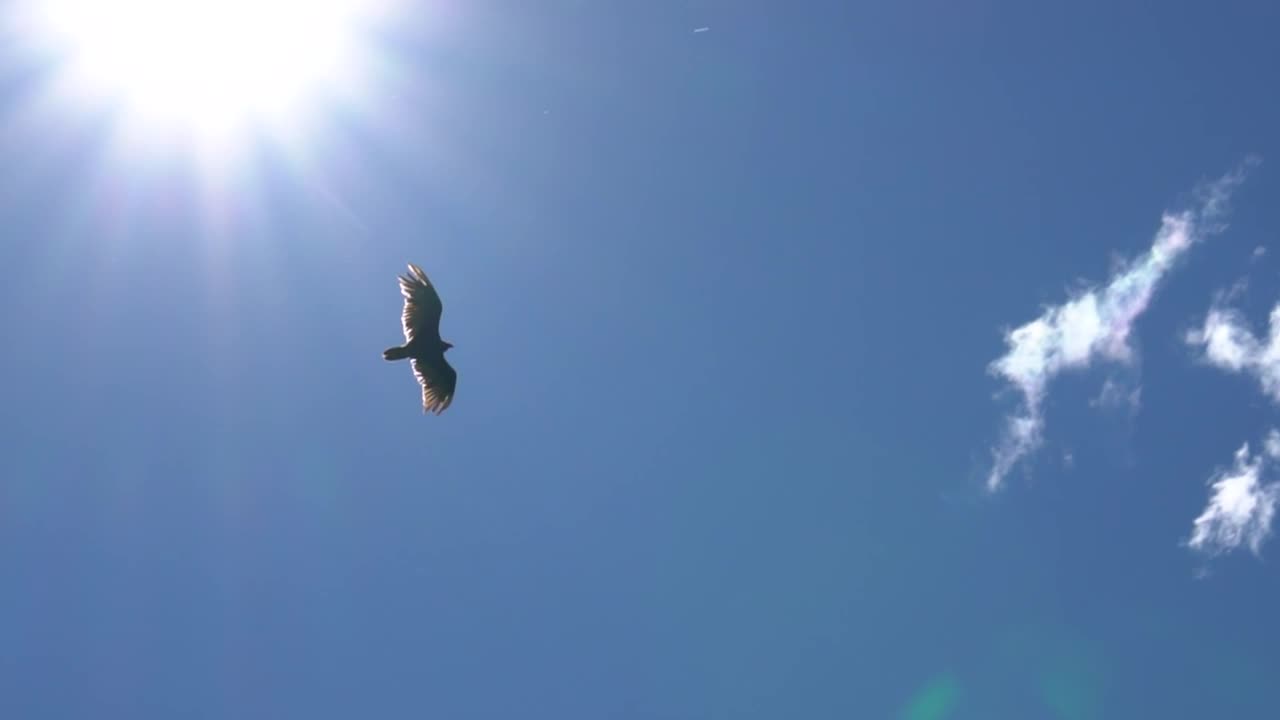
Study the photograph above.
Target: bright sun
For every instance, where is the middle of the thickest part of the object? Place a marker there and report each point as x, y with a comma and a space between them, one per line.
205, 67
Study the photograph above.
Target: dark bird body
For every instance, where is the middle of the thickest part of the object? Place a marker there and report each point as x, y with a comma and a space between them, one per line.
422, 344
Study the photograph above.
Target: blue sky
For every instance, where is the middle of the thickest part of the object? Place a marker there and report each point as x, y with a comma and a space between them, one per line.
737, 320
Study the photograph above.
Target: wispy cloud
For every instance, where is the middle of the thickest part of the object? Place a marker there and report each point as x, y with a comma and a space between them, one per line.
1095, 325
1227, 343
1115, 395
1241, 506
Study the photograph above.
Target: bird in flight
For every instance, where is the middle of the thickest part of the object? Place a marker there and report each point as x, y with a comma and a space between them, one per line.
422, 343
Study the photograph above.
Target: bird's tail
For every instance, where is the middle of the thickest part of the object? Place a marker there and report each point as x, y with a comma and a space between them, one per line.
398, 352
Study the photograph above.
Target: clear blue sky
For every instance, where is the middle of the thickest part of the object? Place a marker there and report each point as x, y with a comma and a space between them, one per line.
725, 305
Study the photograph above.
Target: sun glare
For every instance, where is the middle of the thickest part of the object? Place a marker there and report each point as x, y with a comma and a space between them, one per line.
207, 67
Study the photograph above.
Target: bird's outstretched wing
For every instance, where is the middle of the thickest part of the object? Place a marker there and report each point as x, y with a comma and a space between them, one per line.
438, 380
422, 306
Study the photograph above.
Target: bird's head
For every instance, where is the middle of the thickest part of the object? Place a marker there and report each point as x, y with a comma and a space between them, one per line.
446, 345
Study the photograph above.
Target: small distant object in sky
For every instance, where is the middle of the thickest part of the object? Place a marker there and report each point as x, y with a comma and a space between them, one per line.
422, 344
701, 29
1259, 251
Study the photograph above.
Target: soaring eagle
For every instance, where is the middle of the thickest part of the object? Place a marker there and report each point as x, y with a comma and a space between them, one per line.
422, 343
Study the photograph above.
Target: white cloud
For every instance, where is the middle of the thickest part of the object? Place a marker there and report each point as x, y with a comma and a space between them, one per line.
1095, 325
1241, 507
1229, 344
1272, 444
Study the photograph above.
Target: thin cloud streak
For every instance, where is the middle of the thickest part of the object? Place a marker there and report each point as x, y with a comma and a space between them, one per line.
1095, 325
1115, 395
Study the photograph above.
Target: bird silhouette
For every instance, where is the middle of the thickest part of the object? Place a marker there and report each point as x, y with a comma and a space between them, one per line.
422, 343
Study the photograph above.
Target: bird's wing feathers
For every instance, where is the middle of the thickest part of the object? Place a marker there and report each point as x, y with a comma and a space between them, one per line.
438, 380
422, 306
